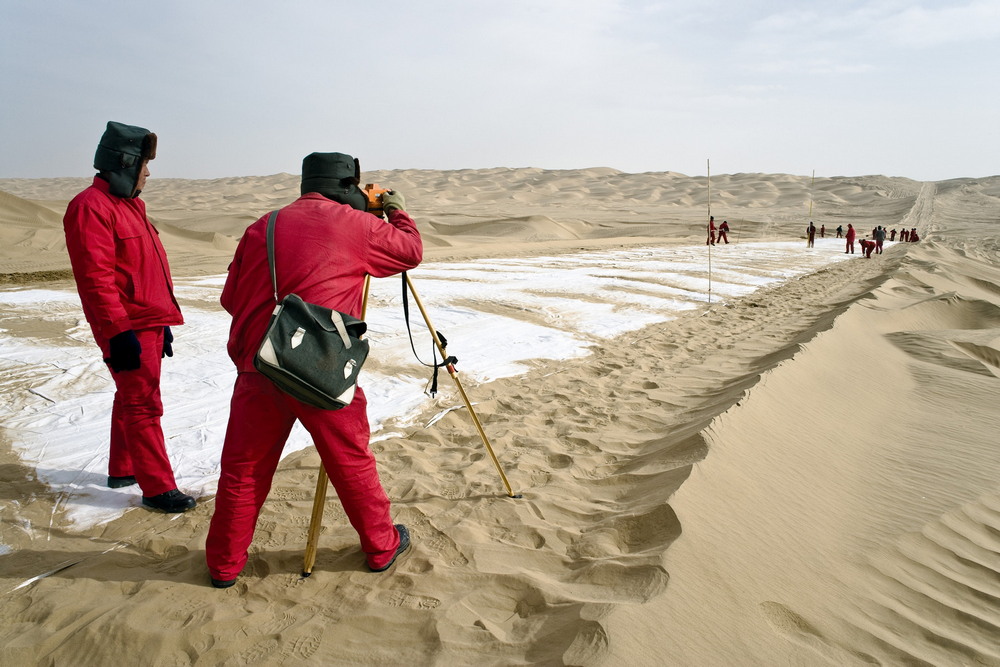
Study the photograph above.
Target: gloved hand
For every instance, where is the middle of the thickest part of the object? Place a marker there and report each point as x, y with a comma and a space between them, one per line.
168, 338
125, 350
393, 200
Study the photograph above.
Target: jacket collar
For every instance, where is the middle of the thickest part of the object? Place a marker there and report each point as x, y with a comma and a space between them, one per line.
102, 185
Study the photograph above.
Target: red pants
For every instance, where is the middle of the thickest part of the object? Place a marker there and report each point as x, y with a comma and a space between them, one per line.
137, 445
723, 237
260, 419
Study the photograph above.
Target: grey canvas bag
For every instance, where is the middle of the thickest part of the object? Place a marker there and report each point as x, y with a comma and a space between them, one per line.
311, 353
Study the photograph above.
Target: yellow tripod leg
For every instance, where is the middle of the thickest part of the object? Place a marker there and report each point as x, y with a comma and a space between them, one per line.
465, 397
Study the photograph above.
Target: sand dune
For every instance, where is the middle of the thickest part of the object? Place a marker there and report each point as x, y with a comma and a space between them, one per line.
469, 213
804, 475
870, 455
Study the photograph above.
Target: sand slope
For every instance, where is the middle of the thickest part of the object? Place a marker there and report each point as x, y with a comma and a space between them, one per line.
806, 475
852, 496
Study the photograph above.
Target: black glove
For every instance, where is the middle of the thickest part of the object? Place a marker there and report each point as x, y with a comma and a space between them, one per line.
125, 350
168, 338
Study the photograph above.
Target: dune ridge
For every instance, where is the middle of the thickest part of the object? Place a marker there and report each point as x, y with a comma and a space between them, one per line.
891, 554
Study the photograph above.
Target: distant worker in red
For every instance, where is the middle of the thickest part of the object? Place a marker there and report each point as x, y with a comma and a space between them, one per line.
892, 235
128, 299
867, 247
325, 243
711, 231
913, 237
822, 231
724, 231
851, 234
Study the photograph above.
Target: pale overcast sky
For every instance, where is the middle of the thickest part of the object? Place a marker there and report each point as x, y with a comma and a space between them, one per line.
235, 88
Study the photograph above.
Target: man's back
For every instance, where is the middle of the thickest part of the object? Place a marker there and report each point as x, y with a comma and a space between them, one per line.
323, 251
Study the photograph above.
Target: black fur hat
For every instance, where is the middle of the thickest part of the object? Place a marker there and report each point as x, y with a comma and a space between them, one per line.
121, 155
335, 176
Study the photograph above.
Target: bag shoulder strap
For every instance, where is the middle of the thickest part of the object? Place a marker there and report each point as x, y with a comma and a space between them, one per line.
270, 251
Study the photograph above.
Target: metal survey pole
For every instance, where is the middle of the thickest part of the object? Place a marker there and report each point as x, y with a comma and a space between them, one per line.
708, 166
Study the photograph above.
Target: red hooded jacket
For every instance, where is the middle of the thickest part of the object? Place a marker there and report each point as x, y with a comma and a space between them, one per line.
323, 250
119, 264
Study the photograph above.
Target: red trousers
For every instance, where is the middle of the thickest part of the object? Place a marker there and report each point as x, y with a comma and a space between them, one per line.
137, 445
260, 419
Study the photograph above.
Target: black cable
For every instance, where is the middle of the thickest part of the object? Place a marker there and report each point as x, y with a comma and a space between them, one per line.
440, 336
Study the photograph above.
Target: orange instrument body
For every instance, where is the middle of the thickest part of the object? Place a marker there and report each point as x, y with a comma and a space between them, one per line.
374, 193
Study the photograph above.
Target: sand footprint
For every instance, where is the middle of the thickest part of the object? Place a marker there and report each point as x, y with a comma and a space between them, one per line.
255, 653
301, 648
397, 598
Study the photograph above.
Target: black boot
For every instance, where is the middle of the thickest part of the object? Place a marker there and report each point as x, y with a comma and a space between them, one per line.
171, 501
404, 544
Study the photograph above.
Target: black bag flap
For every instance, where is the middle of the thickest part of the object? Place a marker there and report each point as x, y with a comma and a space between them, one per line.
325, 317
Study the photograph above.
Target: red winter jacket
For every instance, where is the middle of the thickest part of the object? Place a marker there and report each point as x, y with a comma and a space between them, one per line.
119, 264
323, 250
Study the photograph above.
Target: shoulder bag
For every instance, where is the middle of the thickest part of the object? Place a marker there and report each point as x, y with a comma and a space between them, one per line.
311, 353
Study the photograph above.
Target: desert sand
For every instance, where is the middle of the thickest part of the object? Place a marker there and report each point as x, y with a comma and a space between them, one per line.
805, 475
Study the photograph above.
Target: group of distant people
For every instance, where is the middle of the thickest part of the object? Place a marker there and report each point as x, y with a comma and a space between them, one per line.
722, 230
868, 247
878, 239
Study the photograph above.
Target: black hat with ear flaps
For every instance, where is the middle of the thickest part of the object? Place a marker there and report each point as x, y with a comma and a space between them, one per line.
121, 154
335, 176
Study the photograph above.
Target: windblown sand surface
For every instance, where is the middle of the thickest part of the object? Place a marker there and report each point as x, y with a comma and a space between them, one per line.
806, 475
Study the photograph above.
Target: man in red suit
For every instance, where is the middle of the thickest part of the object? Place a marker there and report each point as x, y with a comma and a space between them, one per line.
851, 234
127, 295
325, 243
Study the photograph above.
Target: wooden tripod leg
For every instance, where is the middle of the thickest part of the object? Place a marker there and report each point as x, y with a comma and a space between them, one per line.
322, 483
465, 397
316, 522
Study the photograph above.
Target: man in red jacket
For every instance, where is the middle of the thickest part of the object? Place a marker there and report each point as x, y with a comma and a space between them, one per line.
851, 235
724, 232
325, 243
127, 295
